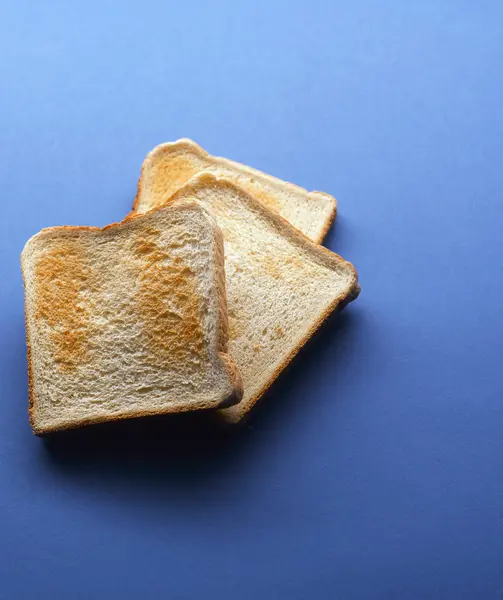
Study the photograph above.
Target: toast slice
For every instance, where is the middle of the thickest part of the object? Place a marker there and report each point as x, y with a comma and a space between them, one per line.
127, 321
281, 286
169, 166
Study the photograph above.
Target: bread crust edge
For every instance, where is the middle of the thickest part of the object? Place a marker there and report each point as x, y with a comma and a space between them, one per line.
233, 418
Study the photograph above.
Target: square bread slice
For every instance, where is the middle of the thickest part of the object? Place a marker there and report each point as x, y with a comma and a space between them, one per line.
127, 321
169, 166
281, 286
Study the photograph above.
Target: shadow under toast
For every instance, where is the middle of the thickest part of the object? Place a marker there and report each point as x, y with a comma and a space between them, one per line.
193, 449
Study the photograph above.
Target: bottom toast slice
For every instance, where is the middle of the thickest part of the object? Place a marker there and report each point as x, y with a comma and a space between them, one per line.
169, 166
127, 321
281, 286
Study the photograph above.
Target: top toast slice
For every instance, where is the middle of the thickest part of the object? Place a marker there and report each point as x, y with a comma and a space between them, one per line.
169, 166
127, 321
280, 285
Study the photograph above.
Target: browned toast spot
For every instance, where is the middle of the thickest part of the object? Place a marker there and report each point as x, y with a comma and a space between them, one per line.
279, 267
278, 332
170, 173
235, 325
62, 301
170, 307
259, 192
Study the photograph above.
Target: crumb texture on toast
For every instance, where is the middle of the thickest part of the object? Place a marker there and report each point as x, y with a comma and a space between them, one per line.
280, 285
169, 166
169, 304
63, 304
127, 321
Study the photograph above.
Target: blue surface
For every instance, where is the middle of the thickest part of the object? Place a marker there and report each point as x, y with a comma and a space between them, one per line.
374, 468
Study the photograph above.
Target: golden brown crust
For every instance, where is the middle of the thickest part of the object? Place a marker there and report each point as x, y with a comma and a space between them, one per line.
41, 431
330, 219
235, 380
31, 394
223, 338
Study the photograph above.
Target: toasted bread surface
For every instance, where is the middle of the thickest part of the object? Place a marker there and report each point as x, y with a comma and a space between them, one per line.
169, 166
281, 286
127, 321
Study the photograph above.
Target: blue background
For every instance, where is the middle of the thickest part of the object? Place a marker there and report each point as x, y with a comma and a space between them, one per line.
374, 468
